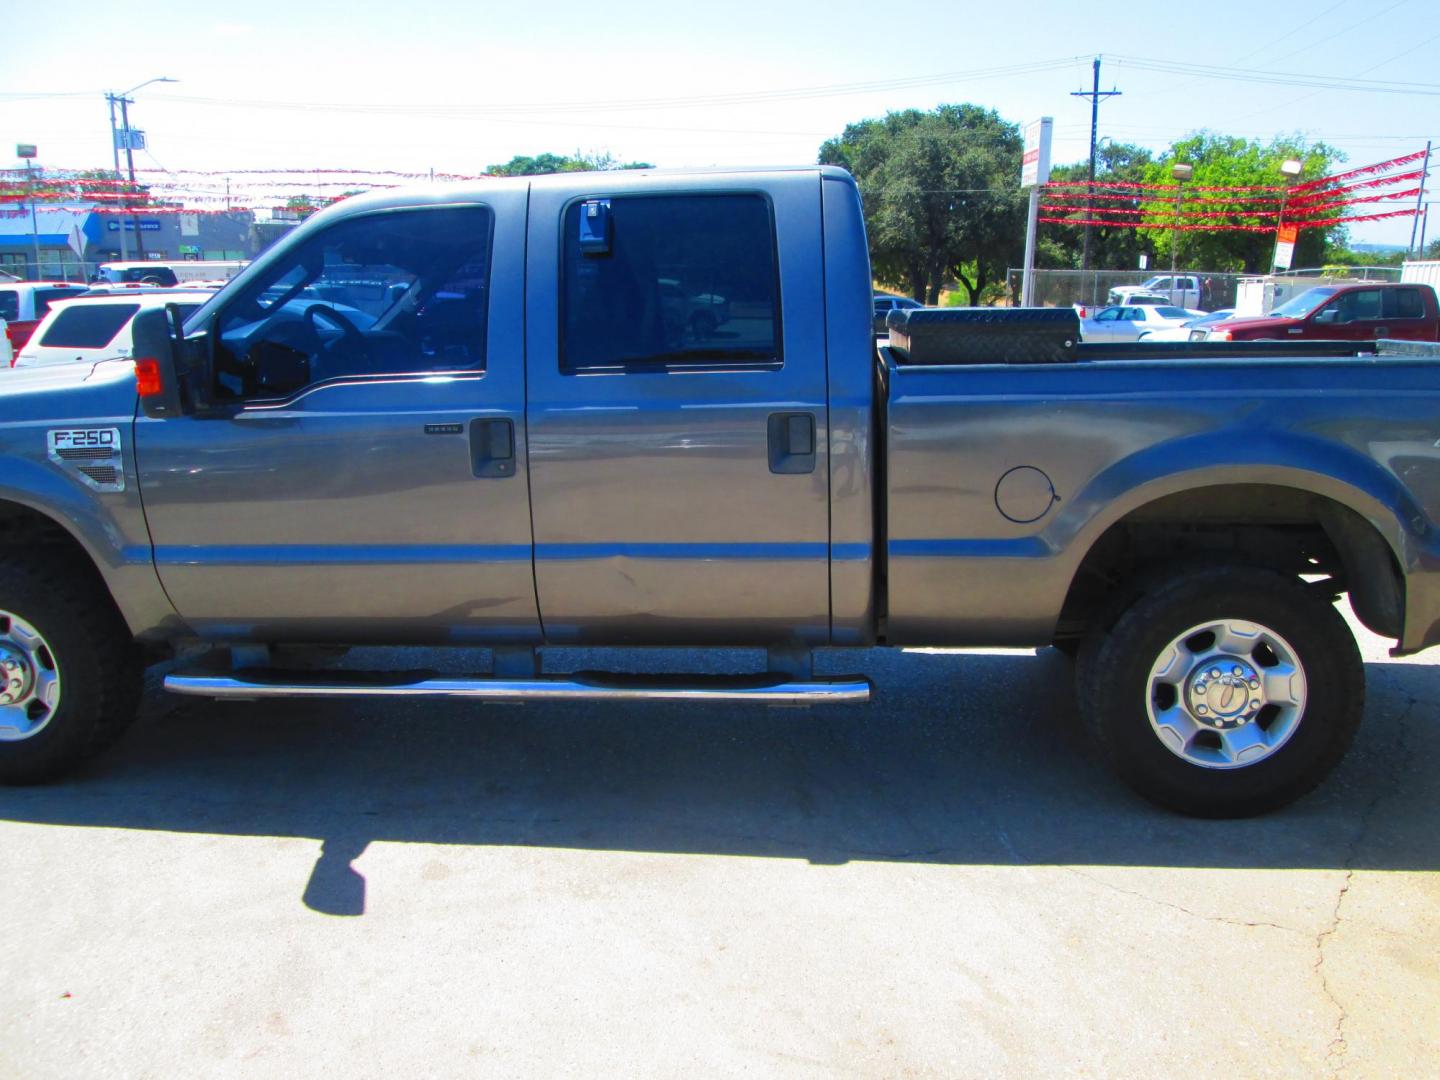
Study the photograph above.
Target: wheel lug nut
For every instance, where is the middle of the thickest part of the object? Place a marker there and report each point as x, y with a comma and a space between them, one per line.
1237, 670
1201, 709
1214, 673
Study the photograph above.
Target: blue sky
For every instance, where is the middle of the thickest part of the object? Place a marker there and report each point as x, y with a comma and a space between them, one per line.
456, 87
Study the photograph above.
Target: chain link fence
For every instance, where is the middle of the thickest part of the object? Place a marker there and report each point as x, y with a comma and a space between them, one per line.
1062, 288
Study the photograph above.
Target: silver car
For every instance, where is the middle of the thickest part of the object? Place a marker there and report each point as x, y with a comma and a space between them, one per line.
1127, 322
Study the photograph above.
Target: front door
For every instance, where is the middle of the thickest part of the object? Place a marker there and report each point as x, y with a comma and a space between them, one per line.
678, 425
362, 477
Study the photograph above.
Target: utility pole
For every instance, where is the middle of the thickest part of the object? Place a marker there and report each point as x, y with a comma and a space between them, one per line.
1095, 94
115, 156
130, 168
125, 100
1419, 198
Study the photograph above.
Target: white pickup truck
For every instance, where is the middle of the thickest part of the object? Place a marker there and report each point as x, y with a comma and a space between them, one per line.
1182, 289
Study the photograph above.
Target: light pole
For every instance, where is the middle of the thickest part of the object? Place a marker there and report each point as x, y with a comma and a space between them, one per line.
1290, 169
124, 101
1181, 173
27, 152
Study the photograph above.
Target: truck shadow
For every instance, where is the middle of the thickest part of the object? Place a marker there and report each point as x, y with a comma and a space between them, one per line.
963, 759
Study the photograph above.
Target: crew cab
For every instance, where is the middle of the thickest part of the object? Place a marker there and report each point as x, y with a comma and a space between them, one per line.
24, 303
460, 416
1364, 312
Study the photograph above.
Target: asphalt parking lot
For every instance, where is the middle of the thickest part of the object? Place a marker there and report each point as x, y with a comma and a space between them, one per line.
938, 884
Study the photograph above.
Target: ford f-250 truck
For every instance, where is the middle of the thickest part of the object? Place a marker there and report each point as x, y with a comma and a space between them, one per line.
460, 416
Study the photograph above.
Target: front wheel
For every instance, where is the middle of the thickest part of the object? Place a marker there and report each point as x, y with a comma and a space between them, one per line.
1222, 692
69, 670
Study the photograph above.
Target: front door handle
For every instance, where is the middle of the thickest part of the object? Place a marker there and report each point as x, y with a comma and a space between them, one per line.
492, 448
792, 443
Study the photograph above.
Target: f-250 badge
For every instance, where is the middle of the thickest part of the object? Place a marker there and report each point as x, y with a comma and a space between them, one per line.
91, 453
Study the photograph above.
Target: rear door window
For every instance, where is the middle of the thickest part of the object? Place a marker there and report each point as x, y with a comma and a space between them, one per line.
88, 326
9, 305
1404, 304
686, 280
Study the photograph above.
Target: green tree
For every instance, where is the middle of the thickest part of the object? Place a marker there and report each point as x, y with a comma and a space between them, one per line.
1061, 247
580, 161
1229, 161
941, 195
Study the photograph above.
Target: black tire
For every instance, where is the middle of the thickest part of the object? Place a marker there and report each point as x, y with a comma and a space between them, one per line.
1113, 673
99, 664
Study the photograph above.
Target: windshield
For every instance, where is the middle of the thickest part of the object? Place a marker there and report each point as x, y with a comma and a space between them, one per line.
1211, 319
1297, 307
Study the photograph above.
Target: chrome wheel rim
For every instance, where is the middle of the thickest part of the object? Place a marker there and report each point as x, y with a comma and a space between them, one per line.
1226, 694
29, 680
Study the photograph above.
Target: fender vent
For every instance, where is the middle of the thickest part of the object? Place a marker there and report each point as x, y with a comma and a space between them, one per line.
92, 455
105, 476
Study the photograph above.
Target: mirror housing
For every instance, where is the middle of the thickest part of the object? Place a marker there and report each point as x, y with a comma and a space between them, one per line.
157, 378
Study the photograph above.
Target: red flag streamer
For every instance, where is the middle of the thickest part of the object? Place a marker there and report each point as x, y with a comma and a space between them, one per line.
1182, 227
1160, 187
1367, 170
1386, 181
1161, 211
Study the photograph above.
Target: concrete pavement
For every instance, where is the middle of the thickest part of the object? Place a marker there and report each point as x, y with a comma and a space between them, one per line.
939, 884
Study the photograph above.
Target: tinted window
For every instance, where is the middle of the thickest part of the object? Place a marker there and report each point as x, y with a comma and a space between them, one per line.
88, 326
44, 296
1365, 304
9, 305
687, 280
403, 292
1172, 312
1404, 304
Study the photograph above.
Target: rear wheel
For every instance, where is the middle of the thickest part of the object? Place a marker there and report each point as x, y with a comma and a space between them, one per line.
1222, 692
69, 671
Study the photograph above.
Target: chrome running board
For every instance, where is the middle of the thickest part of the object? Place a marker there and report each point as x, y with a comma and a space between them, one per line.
765, 689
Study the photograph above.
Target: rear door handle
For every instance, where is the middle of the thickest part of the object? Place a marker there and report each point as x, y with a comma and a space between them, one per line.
792, 443
492, 448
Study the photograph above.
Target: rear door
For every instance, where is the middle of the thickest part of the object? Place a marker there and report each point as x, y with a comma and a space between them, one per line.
363, 477
678, 473
1404, 315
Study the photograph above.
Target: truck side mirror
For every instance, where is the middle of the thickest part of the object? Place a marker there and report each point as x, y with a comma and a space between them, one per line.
157, 381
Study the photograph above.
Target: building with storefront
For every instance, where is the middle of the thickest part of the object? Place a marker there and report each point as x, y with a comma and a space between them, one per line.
67, 245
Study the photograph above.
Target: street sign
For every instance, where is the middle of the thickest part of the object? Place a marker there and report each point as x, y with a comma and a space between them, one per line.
25, 150
1035, 162
1285, 238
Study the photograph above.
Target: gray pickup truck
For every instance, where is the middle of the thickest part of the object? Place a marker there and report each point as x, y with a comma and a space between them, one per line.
477, 416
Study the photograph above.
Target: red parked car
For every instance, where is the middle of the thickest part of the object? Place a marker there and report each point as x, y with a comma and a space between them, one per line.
1365, 312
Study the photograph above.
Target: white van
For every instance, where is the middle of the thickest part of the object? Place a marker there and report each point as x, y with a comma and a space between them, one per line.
168, 274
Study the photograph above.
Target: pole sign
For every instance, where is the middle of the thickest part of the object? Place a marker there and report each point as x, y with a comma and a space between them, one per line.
1035, 164
1285, 238
25, 150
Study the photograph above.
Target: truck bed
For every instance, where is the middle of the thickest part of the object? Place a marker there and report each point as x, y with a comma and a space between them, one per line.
1001, 478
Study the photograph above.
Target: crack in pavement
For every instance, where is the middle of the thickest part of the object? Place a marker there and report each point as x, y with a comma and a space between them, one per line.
1338, 1049
1182, 908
